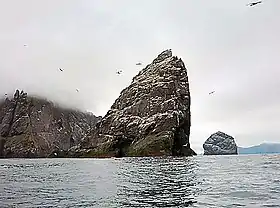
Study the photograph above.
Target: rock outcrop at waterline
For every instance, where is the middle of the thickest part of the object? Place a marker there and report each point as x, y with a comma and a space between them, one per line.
150, 117
220, 143
33, 127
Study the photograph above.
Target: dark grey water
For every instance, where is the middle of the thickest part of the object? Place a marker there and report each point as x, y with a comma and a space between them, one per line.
221, 181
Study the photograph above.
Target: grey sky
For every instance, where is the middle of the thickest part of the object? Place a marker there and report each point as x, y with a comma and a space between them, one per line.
227, 47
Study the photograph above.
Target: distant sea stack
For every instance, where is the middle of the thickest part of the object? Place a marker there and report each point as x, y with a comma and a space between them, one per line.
220, 143
33, 127
151, 117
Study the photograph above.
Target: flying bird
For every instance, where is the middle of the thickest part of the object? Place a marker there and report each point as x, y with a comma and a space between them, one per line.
60, 69
25, 45
119, 72
77, 90
254, 3
211, 92
139, 64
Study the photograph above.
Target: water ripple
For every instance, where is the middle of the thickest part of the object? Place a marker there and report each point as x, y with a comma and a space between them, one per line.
212, 181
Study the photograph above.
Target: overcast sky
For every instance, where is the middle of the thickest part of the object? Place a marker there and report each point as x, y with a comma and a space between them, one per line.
226, 46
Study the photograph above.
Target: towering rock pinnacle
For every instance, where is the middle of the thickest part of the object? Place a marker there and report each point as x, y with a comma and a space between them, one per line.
150, 117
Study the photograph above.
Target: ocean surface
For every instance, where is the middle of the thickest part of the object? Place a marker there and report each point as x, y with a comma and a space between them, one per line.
201, 181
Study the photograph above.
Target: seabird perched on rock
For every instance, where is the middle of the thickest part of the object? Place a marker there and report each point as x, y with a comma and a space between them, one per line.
186, 145
254, 3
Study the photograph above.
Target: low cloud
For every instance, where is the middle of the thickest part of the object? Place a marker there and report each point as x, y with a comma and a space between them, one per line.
227, 47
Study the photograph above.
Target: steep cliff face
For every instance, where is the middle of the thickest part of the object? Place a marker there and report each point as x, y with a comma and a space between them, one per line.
32, 127
220, 143
150, 117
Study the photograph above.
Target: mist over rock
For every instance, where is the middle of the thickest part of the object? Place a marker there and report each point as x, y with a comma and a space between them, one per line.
150, 117
34, 127
220, 143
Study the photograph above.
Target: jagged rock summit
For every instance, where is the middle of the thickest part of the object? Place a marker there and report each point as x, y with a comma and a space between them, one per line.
33, 127
150, 117
220, 143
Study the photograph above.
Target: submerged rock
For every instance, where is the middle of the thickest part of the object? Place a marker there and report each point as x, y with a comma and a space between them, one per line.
220, 143
150, 117
33, 127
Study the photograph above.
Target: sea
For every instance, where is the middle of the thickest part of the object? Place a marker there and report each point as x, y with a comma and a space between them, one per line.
199, 181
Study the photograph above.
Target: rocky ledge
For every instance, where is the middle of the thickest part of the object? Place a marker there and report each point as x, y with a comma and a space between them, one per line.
220, 143
151, 117
33, 127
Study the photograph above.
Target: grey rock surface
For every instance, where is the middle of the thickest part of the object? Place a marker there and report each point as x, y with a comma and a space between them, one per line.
33, 127
220, 143
150, 117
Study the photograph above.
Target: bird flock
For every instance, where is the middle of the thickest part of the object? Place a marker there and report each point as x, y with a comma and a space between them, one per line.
119, 72
250, 5
60, 69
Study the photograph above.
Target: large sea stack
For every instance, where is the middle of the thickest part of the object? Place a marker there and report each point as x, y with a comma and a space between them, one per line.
33, 127
220, 143
151, 117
